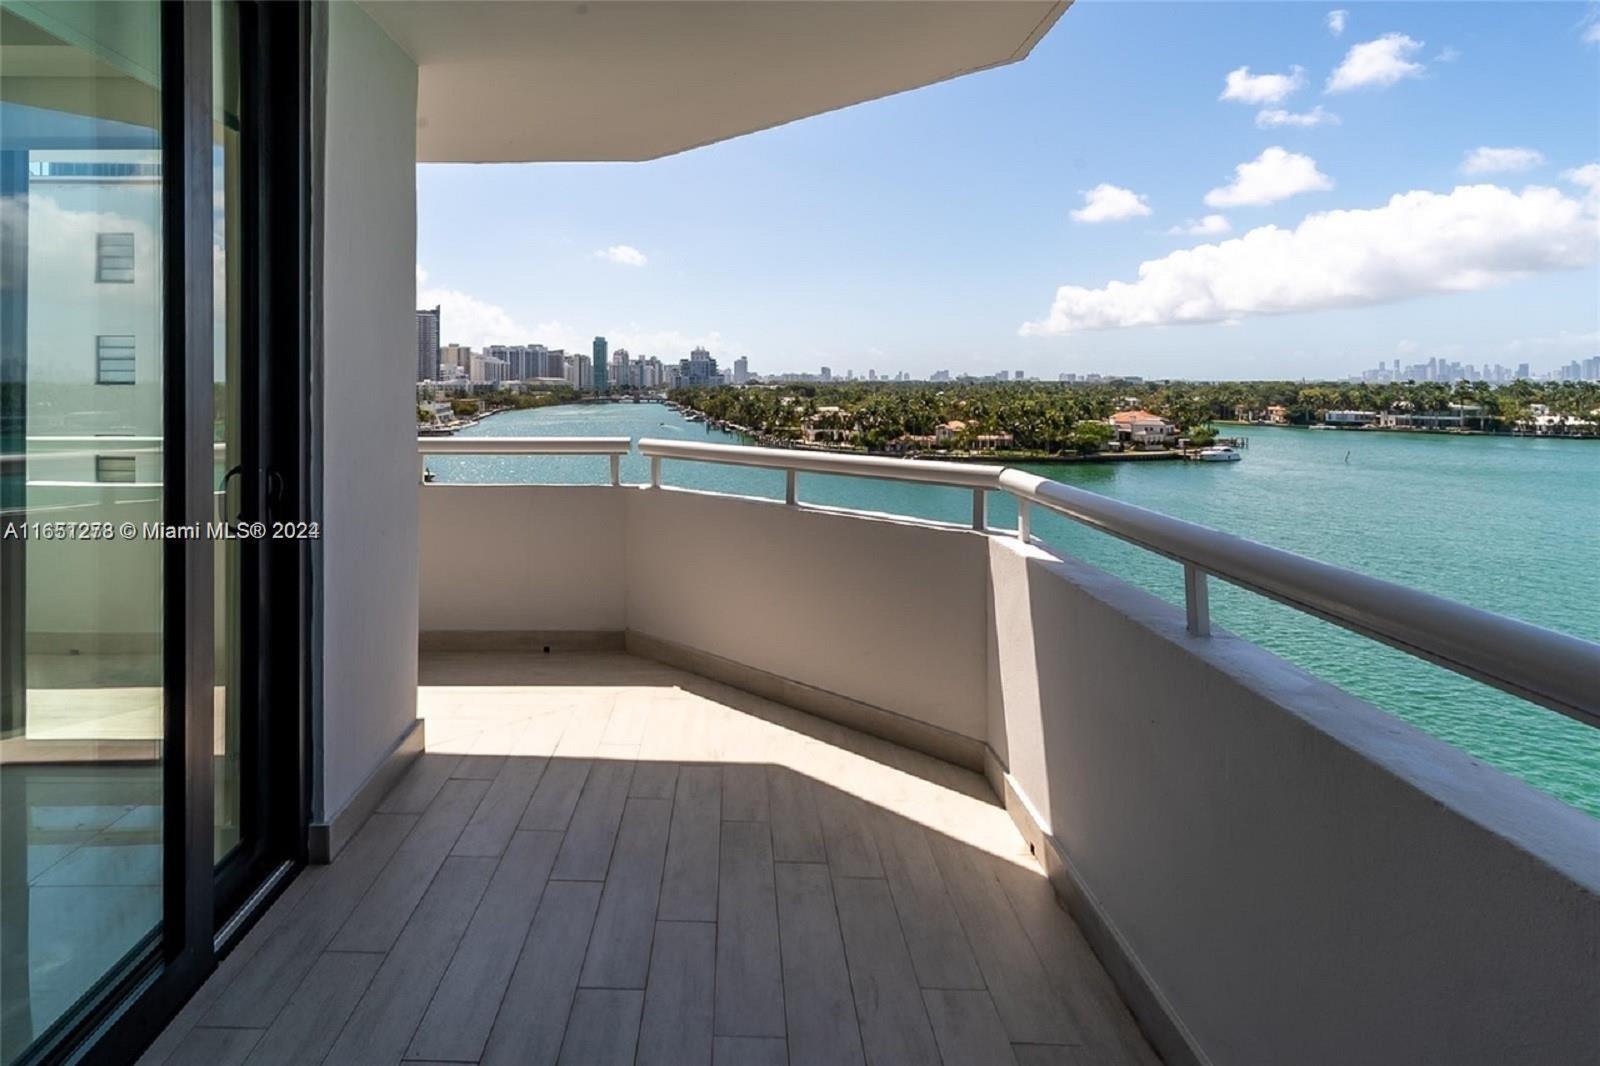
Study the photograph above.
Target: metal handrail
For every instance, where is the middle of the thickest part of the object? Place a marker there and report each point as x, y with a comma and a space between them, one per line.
978, 477
1540, 665
613, 447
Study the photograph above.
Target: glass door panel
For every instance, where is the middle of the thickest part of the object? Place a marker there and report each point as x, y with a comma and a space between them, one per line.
81, 430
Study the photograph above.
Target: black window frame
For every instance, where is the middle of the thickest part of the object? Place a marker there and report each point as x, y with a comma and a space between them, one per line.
207, 908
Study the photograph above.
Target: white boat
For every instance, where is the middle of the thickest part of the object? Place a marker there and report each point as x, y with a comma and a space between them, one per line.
1219, 453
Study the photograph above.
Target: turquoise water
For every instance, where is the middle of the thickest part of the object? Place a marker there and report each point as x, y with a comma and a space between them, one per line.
1503, 524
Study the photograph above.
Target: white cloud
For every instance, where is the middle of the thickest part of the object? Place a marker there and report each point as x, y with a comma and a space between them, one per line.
623, 255
1337, 20
1376, 64
1499, 160
1276, 174
1275, 117
1590, 34
465, 319
1243, 87
1587, 176
1110, 203
1419, 243
1209, 226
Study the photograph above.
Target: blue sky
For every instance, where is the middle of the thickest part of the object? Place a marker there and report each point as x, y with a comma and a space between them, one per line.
936, 229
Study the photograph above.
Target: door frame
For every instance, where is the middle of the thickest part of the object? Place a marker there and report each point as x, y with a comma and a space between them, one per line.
207, 910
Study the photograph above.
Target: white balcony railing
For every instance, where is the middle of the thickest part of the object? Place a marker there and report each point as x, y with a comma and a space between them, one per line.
1545, 667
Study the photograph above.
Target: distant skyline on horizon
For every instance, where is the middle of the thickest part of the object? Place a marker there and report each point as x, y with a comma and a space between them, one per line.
1160, 190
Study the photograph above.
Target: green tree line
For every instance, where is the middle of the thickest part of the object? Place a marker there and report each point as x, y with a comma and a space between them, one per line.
1057, 417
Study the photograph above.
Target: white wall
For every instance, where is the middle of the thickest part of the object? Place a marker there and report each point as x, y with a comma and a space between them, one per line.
1305, 878
527, 558
369, 542
885, 611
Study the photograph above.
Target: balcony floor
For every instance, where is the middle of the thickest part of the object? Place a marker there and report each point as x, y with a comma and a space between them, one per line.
601, 859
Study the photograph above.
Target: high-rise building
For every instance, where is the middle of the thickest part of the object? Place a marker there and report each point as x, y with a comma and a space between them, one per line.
578, 370
827, 373
453, 356
741, 370
427, 344
699, 369
601, 383
620, 376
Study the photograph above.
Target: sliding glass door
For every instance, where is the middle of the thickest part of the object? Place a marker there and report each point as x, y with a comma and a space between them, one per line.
147, 796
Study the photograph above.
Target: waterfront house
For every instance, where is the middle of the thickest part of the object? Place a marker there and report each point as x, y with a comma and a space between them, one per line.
947, 433
910, 442
1455, 417
828, 425
1143, 429
1278, 415
611, 772
1349, 418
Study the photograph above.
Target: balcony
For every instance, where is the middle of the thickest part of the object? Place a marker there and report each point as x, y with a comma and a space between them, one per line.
601, 856
910, 791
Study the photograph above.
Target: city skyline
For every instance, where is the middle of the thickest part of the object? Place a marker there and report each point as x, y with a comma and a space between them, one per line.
1270, 199
534, 362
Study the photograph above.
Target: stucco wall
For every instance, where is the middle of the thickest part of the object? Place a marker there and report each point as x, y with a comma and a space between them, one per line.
524, 558
369, 529
1305, 878
884, 611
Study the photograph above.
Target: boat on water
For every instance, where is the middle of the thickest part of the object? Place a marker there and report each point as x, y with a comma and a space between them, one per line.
1220, 453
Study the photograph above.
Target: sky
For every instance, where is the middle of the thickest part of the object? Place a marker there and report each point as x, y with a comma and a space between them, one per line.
1203, 190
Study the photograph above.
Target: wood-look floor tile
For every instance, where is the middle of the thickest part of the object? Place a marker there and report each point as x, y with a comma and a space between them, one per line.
214, 1047
933, 933
260, 990
744, 793
968, 1028
750, 1051
556, 795
1022, 991
820, 1012
851, 850
679, 998
894, 1021
377, 920
318, 1010
619, 947
749, 969
415, 791
1101, 1020
457, 1023
604, 1027
689, 882
381, 1026
654, 780
490, 828
586, 851
796, 829
533, 1013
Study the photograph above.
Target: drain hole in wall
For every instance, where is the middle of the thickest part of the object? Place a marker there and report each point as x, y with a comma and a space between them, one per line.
547, 649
